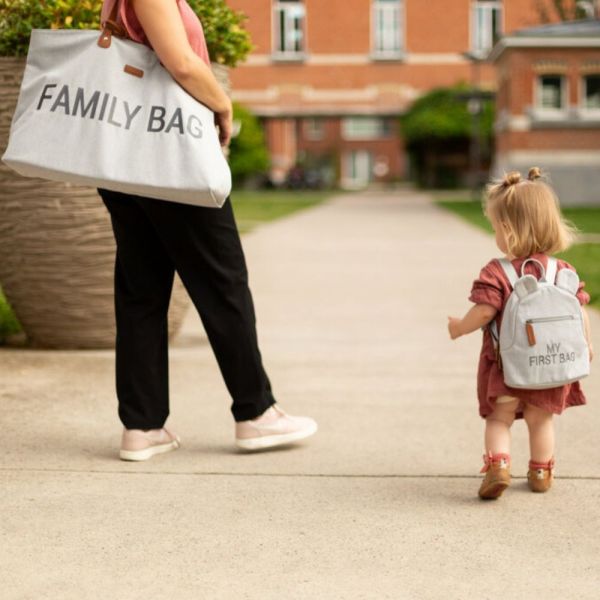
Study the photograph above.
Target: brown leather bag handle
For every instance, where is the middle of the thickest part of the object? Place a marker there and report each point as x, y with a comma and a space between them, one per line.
111, 27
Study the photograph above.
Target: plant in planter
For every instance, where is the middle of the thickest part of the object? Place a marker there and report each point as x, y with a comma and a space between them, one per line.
56, 243
227, 40
8, 323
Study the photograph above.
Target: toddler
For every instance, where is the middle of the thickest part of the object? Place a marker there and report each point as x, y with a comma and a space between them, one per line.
526, 219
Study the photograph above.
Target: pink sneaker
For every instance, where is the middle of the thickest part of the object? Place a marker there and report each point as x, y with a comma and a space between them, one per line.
272, 428
137, 444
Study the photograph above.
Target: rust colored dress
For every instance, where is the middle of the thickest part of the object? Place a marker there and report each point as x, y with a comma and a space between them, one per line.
493, 288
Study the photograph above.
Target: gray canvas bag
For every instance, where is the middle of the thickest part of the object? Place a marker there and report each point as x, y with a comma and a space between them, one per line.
101, 111
542, 341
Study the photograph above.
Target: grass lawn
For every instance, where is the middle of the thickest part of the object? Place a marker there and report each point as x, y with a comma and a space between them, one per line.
251, 209
254, 207
584, 257
8, 322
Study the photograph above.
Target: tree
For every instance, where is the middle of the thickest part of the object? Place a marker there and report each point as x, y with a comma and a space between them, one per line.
564, 10
442, 114
438, 130
248, 154
227, 40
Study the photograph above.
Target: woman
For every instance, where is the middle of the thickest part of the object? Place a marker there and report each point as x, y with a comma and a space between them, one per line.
156, 238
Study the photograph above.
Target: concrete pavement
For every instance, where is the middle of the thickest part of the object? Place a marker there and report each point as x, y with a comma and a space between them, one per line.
351, 299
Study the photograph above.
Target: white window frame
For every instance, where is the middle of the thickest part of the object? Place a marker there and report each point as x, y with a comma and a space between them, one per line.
352, 130
388, 42
543, 113
489, 6
295, 9
563, 94
585, 110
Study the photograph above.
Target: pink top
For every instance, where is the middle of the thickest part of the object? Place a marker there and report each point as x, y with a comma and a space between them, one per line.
191, 22
492, 287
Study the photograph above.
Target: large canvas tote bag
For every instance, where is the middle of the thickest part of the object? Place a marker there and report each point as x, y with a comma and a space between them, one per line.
98, 110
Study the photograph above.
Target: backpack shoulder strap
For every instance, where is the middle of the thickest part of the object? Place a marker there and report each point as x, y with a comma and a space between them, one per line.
512, 276
509, 271
551, 270
493, 326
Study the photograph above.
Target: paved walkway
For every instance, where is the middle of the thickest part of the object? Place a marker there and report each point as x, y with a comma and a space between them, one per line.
352, 298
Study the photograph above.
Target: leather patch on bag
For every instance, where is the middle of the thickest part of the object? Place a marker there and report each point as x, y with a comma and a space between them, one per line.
105, 39
133, 71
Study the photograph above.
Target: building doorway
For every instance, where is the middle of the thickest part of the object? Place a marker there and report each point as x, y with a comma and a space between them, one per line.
357, 169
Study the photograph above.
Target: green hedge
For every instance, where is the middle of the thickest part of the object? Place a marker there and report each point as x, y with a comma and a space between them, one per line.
248, 150
227, 40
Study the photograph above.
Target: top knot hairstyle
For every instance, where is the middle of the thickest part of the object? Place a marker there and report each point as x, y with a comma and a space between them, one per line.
529, 212
511, 178
514, 177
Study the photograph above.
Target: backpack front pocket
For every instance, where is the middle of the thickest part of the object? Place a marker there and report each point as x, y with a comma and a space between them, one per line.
529, 325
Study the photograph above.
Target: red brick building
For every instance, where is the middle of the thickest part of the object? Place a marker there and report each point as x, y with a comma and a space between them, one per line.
548, 106
329, 78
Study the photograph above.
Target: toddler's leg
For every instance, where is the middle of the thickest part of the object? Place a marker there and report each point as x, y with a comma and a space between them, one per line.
541, 445
541, 433
497, 426
497, 448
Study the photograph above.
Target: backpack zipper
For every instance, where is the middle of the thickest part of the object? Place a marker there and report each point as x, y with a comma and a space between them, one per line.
550, 319
529, 325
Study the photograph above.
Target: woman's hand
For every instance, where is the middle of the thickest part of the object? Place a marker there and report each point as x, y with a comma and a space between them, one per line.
224, 121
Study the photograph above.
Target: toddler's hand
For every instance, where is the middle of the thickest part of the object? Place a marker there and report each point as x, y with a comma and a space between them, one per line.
454, 327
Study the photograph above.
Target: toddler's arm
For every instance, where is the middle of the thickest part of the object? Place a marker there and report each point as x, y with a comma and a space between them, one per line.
587, 331
476, 318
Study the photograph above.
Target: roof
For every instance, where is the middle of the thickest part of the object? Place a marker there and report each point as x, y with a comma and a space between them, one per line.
569, 34
583, 28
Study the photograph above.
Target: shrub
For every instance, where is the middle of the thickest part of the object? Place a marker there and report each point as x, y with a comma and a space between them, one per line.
248, 151
228, 42
442, 114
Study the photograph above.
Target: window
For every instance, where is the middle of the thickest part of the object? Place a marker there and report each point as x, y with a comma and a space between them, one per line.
387, 28
551, 92
486, 25
314, 129
591, 92
365, 128
289, 27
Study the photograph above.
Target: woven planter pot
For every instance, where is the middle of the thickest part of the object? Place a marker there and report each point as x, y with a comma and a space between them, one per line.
57, 251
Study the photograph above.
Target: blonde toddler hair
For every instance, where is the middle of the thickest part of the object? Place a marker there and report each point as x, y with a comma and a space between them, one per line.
529, 212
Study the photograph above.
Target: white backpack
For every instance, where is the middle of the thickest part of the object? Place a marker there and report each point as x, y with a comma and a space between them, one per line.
542, 342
